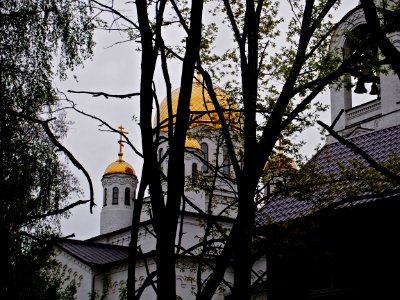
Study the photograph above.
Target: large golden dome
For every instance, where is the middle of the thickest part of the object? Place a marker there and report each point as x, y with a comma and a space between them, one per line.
192, 144
201, 107
119, 167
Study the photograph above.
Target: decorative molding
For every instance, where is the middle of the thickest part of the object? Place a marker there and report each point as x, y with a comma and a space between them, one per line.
119, 179
395, 39
358, 131
69, 275
77, 262
123, 267
354, 20
367, 108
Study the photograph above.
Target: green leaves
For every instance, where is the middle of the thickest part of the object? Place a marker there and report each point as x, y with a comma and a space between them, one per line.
39, 39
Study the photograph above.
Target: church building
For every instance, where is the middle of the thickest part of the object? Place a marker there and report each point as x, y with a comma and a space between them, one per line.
98, 266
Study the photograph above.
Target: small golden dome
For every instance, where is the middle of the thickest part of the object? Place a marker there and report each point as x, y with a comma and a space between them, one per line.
280, 162
200, 104
192, 144
119, 167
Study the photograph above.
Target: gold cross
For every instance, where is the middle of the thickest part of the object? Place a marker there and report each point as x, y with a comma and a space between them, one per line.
121, 132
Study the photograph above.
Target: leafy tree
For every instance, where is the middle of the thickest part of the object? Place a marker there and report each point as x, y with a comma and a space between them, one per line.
36, 185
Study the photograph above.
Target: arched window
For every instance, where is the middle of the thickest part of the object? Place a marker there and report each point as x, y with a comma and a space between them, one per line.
115, 195
105, 198
127, 196
194, 170
204, 149
226, 164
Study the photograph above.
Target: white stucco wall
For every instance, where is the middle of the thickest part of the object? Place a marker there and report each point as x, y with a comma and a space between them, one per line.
78, 272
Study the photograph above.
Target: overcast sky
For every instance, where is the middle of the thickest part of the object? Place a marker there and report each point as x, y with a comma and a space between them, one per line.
114, 70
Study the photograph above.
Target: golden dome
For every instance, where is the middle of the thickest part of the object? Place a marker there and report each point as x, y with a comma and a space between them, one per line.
192, 144
280, 162
119, 167
200, 104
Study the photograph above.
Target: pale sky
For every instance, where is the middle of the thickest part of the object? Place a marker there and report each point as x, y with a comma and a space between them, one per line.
114, 70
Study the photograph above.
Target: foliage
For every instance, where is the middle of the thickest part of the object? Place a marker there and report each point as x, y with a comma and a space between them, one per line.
35, 36
32, 273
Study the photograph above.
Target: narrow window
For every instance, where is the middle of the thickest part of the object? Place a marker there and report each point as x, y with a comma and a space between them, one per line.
194, 171
127, 196
115, 196
105, 198
204, 149
226, 167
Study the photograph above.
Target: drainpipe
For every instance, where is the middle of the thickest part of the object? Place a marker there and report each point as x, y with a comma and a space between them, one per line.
92, 295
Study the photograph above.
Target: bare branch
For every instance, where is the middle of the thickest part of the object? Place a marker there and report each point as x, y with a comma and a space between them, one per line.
45, 125
106, 95
372, 162
127, 141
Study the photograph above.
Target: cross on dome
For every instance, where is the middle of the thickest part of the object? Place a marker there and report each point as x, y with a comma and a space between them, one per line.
120, 166
120, 142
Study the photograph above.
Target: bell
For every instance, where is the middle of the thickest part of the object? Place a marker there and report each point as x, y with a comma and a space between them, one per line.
374, 89
360, 88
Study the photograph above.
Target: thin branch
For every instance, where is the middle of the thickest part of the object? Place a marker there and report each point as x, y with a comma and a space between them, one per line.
62, 210
106, 95
372, 162
45, 125
127, 141
113, 10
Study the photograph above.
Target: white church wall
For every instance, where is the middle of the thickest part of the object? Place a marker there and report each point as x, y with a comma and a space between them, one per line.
147, 240
111, 282
390, 87
77, 272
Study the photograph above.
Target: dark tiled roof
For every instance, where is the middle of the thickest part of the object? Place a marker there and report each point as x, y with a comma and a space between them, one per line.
95, 254
380, 145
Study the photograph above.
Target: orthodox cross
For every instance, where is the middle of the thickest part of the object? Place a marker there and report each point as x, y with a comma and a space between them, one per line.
120, 142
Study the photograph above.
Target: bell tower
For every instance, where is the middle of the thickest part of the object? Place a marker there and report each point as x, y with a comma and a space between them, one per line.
370, 100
